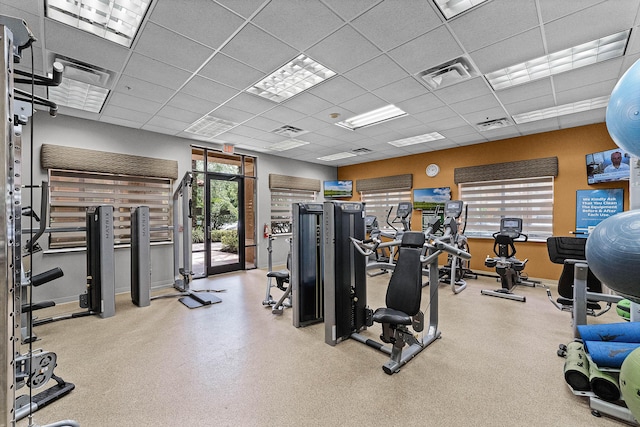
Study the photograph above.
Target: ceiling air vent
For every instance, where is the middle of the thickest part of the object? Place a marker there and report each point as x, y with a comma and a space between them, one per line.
289, 131
493, 124
449, 73
361, 151
84, 73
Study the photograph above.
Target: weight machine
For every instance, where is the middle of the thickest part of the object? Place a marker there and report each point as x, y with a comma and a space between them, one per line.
307, 257
346, 310
182, 265
283, 281
34, 367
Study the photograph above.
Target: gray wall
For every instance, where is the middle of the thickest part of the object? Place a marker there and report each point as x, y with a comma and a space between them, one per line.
75, 132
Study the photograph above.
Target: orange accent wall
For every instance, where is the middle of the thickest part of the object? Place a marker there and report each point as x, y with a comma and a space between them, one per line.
569, 145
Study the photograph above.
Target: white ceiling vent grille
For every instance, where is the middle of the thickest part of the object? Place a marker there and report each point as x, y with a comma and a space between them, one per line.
84, 73
449, 73
361, 150
493, 124
289, 131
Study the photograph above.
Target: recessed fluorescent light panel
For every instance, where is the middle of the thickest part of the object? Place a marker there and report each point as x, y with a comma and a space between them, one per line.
589, 53
372, 117
337, 156
562, 110
298, 75
117, 20
287, 145
75, 94
451, 8
209, 126
433, 136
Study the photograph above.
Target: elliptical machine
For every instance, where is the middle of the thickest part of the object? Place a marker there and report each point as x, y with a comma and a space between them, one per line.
456, 268
508, 267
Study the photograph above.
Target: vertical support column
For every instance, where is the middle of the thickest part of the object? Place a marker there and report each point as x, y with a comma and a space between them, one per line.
140, 257
9, 237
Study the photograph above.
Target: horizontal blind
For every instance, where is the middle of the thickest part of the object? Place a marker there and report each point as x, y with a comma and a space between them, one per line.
281, 211
72, 192
378, 204
530, 199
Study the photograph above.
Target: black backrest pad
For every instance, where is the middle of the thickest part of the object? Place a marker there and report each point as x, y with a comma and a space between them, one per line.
405, 287
561, 248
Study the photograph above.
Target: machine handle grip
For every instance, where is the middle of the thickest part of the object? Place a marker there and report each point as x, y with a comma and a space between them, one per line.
440, 245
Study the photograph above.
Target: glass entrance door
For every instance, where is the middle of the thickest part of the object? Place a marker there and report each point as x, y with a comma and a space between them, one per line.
224, 250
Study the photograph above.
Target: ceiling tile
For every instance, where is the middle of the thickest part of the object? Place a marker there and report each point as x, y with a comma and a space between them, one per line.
545, 125
590, 24
263, 123
364, 103
307, 103
283, 115
485, 115
529, 90
450, 123
551, 10
178, 114
80, 45
141, 89
124, 113
172, 48
435, 114
463, 91
376, 73
428, 50
337, 90
156, 72
585, 76
514, 50
123, 100
244, 8
350, 9
400, 91
191, 103
387, 25
419, 104
583, 118
258, 49
331, 53
484, 102
286, 20
209, 90
249, 103
586, 92
531, 104
195, 21
167, 123
489, 24
231, 114
122, 122
230, 72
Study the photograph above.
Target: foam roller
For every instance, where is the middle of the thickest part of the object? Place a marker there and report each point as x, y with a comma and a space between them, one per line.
603, 384
628, 332
576, 367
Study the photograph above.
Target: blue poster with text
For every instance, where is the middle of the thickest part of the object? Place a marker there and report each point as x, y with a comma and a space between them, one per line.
593, 206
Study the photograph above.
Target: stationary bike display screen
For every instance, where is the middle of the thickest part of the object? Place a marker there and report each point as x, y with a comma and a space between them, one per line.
453, 209
404, 209
511, 226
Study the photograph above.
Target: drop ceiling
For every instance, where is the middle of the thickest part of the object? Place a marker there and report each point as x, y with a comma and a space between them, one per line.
193, 58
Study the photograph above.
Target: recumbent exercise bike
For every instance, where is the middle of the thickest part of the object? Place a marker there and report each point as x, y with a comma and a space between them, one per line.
508, 267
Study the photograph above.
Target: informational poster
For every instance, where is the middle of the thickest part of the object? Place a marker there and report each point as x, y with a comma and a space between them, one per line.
594, 206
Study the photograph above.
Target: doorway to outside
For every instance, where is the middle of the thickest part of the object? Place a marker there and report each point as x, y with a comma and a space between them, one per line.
223, 216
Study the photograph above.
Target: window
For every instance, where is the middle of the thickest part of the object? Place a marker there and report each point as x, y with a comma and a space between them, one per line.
72, 192
281, 213
378, 204
528, 198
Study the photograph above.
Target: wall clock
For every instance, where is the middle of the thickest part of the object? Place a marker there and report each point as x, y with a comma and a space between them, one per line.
432, 170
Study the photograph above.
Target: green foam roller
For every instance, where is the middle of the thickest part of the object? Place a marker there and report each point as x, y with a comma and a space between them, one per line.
576, 367
623, 308
603, 384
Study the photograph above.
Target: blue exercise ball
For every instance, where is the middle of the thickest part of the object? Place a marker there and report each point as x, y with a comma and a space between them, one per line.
630, 382
623, 111
613, 253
